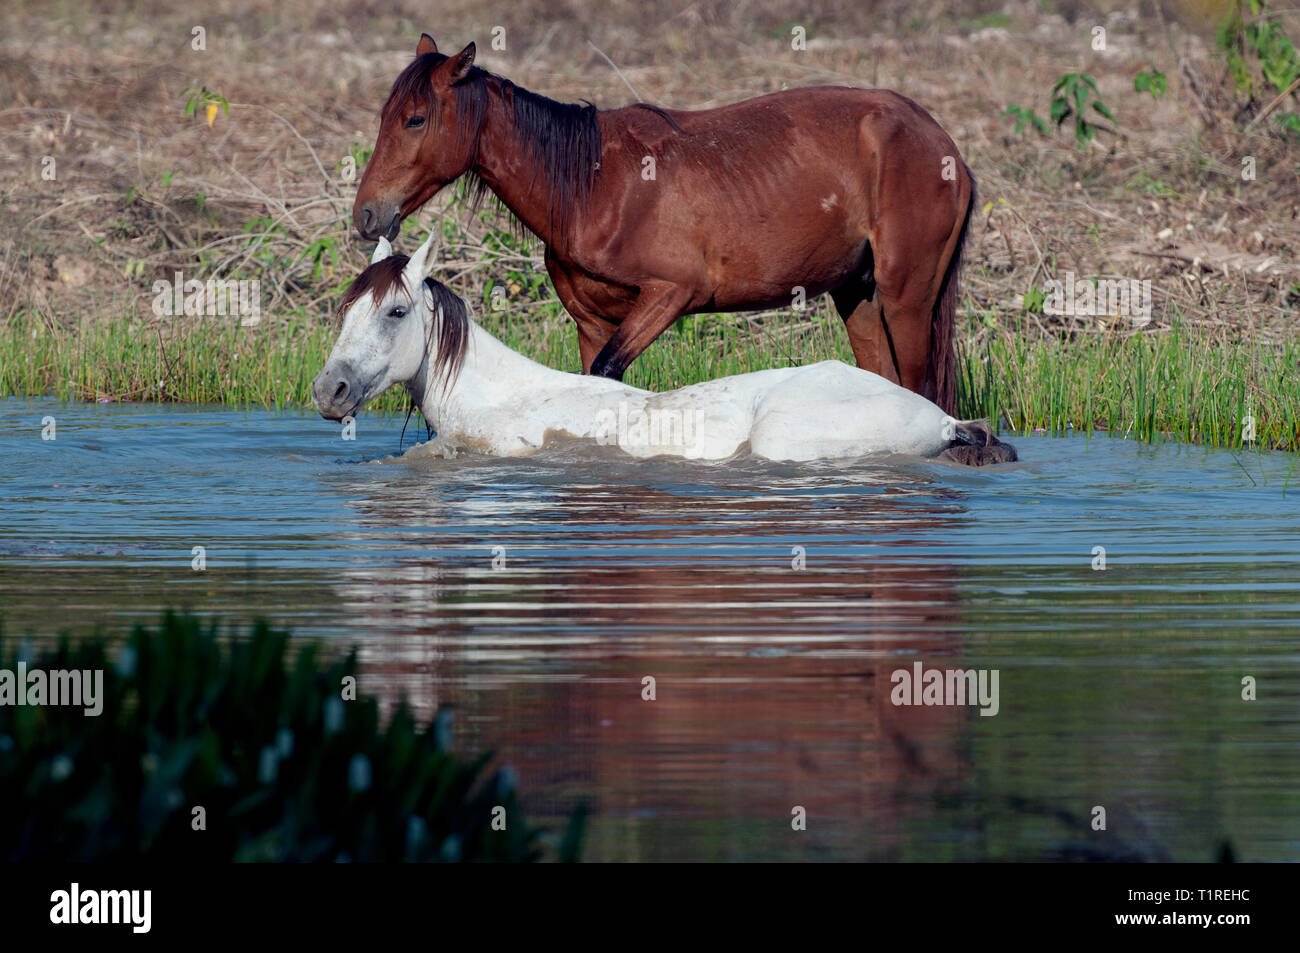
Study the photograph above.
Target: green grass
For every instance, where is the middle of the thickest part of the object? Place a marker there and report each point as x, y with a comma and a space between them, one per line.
1189, 385
194, 360
1186, 384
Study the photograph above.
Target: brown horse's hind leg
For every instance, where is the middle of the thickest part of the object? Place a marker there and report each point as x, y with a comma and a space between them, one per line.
907, 325
859, 306
913, 253
909, 276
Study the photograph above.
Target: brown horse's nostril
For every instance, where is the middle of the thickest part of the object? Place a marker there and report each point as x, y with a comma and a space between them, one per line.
367, 220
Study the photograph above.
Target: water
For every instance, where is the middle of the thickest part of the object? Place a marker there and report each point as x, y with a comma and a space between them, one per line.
1119, 689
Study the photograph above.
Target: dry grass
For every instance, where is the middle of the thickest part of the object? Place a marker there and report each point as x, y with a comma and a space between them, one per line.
143, 191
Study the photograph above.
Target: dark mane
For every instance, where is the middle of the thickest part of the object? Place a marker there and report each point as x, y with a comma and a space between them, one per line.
449, 332
377, 280
561, 140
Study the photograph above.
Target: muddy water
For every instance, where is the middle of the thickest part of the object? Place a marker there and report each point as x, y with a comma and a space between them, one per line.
770, 603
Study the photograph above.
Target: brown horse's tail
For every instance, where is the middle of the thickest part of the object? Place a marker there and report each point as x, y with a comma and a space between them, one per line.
943, 344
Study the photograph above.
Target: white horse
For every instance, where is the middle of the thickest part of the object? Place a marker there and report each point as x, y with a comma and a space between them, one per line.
477, 393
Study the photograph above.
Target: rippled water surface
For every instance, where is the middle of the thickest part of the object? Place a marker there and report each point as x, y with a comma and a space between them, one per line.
536, 595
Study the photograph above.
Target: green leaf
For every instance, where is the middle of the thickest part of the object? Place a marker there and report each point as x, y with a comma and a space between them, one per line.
1033, 299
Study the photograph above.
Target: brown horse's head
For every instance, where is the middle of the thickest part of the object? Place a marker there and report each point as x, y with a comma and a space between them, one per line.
428, 136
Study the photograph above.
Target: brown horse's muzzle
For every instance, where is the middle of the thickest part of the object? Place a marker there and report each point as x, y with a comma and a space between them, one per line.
374, 219
336, 392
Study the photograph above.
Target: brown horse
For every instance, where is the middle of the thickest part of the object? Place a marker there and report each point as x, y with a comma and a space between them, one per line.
648, 214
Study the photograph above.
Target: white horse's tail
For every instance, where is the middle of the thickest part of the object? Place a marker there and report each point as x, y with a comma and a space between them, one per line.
975, 445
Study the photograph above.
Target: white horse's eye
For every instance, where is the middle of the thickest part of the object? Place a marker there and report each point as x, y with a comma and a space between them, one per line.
397, 311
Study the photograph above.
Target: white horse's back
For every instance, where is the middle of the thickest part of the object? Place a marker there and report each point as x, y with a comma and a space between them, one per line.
832, 410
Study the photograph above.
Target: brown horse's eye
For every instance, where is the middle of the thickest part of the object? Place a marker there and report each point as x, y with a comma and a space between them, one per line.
415, 122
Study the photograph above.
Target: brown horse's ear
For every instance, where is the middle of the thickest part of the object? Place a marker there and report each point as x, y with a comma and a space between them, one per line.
461, 63
426, 45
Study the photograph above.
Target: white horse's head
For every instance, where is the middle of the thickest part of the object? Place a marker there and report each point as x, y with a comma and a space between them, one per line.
395, 318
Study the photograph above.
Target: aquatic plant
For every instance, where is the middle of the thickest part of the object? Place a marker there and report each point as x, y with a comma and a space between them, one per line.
209, 748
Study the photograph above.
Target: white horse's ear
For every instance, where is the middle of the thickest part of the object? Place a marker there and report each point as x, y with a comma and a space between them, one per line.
383, 250
425, 257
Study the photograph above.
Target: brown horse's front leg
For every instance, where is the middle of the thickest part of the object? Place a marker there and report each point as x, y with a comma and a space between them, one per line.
593, 334
593, 330
655, 310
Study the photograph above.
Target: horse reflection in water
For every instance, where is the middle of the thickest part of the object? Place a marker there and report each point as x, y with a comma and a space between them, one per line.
771, 682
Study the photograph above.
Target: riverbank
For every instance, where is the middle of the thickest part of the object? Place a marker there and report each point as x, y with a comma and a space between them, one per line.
1192, 384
